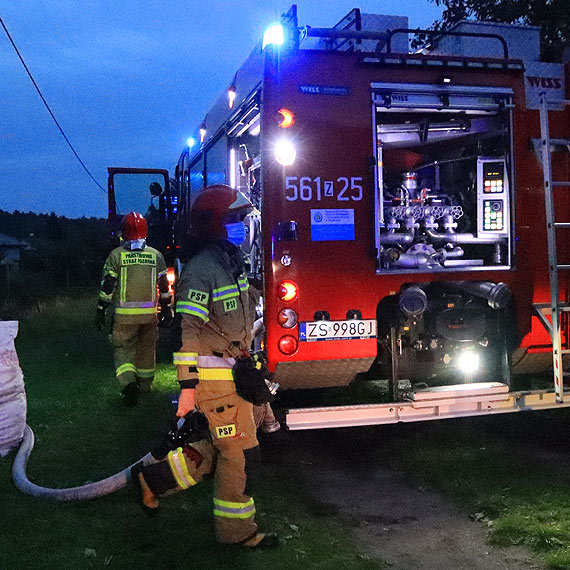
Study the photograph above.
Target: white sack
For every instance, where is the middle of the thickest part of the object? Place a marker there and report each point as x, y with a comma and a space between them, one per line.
12, 393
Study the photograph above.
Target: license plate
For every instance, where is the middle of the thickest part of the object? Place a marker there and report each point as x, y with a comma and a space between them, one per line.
337, 330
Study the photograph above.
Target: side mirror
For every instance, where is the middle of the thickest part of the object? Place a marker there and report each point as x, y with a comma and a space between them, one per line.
155, 189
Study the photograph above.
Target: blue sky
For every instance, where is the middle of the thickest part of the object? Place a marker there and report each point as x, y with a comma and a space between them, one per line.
128, 81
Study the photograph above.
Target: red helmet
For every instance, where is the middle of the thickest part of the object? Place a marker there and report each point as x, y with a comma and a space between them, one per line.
133, 226
212, 208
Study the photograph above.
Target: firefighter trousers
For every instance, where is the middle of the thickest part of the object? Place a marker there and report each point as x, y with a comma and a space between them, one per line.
232, 453
134, 349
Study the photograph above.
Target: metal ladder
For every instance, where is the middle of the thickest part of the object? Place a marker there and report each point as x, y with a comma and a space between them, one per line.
556, 306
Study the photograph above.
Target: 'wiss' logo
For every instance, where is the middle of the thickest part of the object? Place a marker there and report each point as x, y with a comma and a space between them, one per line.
310, 89
544, 82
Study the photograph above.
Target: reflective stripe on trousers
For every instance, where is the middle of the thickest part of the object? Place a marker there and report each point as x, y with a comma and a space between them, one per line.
215, 368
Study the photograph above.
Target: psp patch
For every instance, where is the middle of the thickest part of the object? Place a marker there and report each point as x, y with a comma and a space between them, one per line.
198, 296
230, 305
226, 431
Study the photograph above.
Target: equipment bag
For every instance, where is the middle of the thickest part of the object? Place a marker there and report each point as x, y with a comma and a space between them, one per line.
250, 375
12, 393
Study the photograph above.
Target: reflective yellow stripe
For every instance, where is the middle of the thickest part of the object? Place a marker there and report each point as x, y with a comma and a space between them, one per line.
112, 274
123, 280
215, 374
179, 469
189, 477
224, 293
185, 358
226, 296
128, 367
193, 309
153, 282
145, 372
232, 510
226, 288
135, 311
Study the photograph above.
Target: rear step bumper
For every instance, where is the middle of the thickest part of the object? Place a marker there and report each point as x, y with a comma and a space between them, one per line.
443, 402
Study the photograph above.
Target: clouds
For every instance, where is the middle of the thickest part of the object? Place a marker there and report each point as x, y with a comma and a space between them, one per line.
128, 81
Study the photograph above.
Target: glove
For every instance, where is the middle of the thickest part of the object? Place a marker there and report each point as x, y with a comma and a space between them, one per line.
100, 317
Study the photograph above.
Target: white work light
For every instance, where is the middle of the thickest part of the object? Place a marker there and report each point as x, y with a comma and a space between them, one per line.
285, 152
468, 361
273, 36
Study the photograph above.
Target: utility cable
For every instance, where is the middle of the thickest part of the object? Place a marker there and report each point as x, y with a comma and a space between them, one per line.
48, 107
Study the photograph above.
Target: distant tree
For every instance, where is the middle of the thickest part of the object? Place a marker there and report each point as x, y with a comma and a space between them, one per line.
553, 16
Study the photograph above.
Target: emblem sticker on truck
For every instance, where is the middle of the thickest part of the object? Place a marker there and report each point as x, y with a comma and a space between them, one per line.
332, 225
337, 330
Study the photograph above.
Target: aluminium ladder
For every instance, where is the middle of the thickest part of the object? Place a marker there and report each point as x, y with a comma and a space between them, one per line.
556, 306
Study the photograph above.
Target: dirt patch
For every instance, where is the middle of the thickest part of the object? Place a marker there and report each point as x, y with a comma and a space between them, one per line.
407, 526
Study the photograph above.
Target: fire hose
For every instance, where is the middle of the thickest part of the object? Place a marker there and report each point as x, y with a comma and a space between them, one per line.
183, 431
191, 428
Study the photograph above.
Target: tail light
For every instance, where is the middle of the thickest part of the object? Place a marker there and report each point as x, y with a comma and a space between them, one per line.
288, 344
287, 291
287, 318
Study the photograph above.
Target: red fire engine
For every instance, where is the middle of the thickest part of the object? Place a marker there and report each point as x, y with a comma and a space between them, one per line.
405, 224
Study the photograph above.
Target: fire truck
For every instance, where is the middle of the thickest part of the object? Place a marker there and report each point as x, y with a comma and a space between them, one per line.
408, 207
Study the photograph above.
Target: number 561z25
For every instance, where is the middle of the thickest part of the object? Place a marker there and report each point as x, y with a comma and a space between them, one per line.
306, 188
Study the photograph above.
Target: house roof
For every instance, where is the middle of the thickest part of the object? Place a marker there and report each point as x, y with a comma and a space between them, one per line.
11, 241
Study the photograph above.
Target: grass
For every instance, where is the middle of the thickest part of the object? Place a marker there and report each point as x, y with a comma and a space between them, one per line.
83, 433
502, 471
498, 469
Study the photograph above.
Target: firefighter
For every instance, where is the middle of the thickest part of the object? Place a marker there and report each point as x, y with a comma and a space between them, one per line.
215, 312
130, 277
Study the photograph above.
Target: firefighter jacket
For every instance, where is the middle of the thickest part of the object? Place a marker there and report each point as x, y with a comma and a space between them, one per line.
130, 280
216, 308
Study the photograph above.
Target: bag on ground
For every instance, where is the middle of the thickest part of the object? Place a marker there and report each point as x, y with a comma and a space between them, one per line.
12, 392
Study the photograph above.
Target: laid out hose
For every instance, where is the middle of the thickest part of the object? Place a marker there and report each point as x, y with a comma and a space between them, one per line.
81, 493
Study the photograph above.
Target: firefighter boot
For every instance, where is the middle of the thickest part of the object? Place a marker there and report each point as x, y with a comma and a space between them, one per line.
131, 394
270, 423
144, 385
262, 540
148, 499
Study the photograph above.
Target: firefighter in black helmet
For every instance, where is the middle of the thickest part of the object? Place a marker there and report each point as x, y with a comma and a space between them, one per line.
215, 309
130, 277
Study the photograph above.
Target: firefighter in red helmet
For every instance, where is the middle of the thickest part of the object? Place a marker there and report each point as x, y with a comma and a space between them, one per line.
130, 276
215, 312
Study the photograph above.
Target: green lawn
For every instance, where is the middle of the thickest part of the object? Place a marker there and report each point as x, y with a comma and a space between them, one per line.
489, 466
83, 433
511, 472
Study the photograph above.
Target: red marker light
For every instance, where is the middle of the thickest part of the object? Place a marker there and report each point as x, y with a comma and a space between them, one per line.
171, 275
288, 345
287, 291
285, 118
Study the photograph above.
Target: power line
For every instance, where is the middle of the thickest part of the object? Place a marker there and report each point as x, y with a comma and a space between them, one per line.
48, 108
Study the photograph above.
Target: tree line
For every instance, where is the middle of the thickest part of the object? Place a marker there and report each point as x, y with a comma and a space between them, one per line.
61, 256
553, 17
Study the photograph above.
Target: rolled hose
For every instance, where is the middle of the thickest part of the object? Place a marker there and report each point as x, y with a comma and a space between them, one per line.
81, 493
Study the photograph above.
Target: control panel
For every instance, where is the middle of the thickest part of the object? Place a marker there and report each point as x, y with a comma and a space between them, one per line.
493, 200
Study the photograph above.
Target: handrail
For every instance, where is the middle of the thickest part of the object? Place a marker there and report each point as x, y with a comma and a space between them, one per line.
391, 33
343, 34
